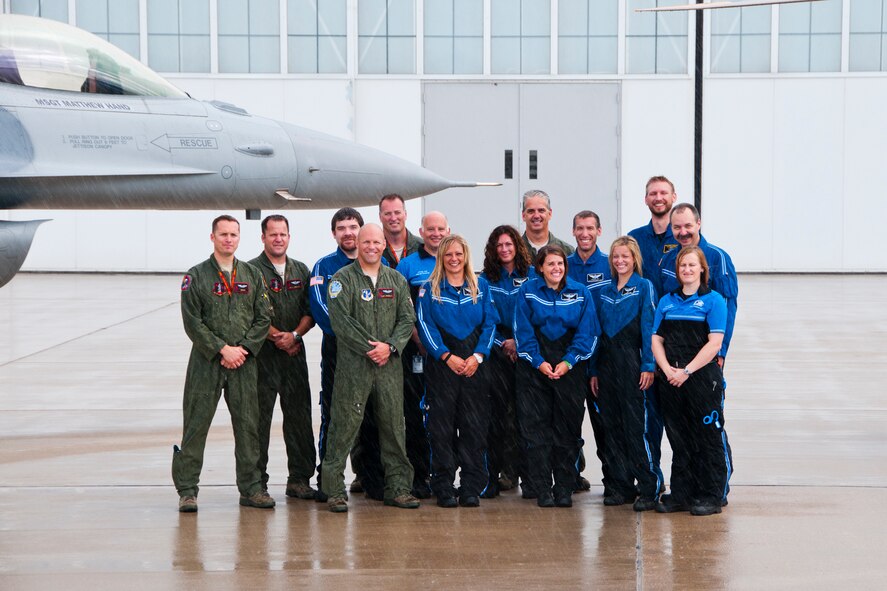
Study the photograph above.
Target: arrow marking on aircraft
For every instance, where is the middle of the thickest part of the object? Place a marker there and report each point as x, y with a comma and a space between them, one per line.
183, 142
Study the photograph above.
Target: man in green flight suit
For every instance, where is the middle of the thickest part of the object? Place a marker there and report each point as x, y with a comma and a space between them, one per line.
225, 311
283, 368
372, 317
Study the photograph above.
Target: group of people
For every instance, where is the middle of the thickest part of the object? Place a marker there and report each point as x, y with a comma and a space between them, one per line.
428, 369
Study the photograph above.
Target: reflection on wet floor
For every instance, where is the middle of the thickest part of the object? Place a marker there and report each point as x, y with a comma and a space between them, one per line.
90, 394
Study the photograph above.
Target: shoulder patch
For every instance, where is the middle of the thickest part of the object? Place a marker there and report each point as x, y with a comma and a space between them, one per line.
186, 283
316, 280
335, 288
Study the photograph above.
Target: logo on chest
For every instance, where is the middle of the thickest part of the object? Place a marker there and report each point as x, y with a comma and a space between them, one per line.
667, 248
698, 304
571, 296
293, 284
385, 293
518, 281
241, 288
218, 289
366, 295
594, 277
275, 285
628, 290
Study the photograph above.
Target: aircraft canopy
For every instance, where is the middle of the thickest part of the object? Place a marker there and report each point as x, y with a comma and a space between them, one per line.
44, 53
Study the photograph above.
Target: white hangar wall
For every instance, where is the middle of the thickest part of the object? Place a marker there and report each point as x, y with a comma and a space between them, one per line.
793, 167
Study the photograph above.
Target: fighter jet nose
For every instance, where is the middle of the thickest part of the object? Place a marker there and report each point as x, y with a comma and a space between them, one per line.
339, 172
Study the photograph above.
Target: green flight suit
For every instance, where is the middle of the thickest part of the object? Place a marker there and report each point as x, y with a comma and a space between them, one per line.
284, 375
552, 240
413, 244
359, 313
219, 310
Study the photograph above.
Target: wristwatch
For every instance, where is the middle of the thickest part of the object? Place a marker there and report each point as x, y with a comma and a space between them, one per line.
479, 357
297, 337
392, 348
687, 372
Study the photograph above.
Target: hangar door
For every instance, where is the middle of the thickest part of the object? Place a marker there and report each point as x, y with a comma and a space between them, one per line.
562, 138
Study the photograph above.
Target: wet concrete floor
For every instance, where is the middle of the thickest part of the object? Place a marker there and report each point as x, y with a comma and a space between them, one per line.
91, 373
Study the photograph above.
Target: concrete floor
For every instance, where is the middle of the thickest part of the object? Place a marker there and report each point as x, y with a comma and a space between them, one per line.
91, 372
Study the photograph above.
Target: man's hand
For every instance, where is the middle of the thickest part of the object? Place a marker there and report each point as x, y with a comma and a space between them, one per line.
470, 366
510, 349
380, 352
595, 386
233, 357
283, 340
456, 364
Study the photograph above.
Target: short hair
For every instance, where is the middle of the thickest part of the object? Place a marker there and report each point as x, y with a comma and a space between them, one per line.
685, 207
275, 218
391, 197
535, 193
632, 245
492, 268
586, 213
224, 218
688, 250
543, 254
658, 179
346, 213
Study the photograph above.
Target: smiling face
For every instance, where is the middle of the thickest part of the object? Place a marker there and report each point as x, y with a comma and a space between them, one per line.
225, 238
623, 261
275, 239
586, 232
660, 198
536, 214
454, 259
393, 216
685, 227
690, 270
505, 249
434, 229
553, 270
370, 244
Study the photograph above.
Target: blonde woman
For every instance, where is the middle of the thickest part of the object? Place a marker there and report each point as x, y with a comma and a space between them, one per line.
457, 323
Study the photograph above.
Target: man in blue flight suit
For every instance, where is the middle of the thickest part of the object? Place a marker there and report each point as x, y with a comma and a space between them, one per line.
589, 266
417, 268
686, 225
655, 239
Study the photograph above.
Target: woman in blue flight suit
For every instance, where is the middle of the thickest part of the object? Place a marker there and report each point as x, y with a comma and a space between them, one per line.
622, 374
555, 330
457, 322
688, 333
506, 267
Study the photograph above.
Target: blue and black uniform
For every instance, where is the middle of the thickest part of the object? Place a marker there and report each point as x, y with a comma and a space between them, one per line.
594, 274
653, 247
458, 407
694, 413
722, 279
630, 417
321, 274
504, 442
553, 326
416, 268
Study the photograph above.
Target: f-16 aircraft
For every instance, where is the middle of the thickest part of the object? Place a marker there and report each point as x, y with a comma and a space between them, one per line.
83, 125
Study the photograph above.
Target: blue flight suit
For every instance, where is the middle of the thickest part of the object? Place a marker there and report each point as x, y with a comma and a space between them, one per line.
553, 326
653, 247
504, 441
631, 423
416, 268
594, 274
458, 407
722, 279
694, 413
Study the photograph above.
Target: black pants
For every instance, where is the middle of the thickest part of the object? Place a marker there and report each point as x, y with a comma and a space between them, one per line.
694, 423
414, 409
550, 414
458, 422
503, 443
628, 416
599, 429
